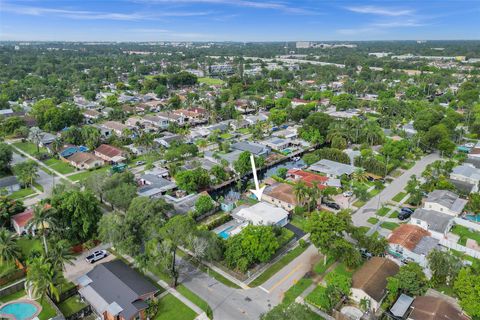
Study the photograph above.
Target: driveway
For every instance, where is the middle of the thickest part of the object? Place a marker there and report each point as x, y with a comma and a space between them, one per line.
361, 216
81, 266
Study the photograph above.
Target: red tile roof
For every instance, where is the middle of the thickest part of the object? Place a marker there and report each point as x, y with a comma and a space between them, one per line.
109, 151
309, 178
408, 236
22, 219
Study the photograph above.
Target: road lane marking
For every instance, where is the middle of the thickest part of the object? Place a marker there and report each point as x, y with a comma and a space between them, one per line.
286, 277
264, 289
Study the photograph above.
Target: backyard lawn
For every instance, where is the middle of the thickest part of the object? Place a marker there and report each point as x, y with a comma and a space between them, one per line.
277, 266
28, 245
210, 81
71, 306
389, 225
465, 234
399, 196
48, 311
173, 309
59, 165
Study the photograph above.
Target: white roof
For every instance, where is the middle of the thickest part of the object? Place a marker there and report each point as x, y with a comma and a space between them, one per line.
262, 213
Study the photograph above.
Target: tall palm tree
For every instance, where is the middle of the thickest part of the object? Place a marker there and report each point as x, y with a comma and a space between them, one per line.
9, 250
42, 278
360, 175
42, 216
300, 190
60, 254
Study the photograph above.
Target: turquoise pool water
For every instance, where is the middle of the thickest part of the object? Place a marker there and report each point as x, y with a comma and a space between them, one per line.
224, 234
20, 310
474, 218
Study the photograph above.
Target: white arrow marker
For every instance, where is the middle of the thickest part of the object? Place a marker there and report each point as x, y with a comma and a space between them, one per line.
258, 191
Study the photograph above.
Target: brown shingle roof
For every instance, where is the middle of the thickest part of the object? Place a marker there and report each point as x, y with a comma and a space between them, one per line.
433, 308
372, 276
408, 236
283, 192
109, 151
82, 157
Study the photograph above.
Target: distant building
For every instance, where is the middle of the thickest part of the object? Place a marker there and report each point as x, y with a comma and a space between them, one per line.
10, 184
84, 161
332, 169
445, 201
110, 153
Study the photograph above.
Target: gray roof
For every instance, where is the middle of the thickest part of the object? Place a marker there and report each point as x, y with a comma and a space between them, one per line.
425, 245
401, 306
332, 167
474, 162
447, 199
251, 147
437, 221
231, 157
467, 170
119, 286
8, 181
156, 185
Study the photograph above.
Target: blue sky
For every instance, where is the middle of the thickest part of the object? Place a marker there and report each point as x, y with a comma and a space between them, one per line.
238, 20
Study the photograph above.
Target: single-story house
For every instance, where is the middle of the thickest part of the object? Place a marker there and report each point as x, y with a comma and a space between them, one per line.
280, 195
437, 223
332, 169
110, 153
445, 201
216, 157
309, 178
10, 184
370, 281
70, 150
109, 127
434, 308
263, 214
46, 139
278, 144
254, 119
90, 115
154, 186
466, 173
84, 160
21, 220
116, 291
412, 243
167, 140
401, 307
254, 148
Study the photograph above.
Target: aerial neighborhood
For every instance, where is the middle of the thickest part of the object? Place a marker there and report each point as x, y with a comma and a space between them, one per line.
195, 180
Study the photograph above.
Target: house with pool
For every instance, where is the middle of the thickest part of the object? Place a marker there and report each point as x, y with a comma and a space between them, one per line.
261, 213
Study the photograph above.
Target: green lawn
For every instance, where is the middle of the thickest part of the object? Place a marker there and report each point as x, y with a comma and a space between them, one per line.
374, 192
277, 266
210, 81
48, 311
372, 220
173, 309
202, 304
396, 173
28, 245
13, 296
296, 290
399, 196
364, 229
394, 214
71, 306
359, 203
6, 267
38, 186
465, 234
285, 237
59, 165
320, 267
389, 225
225, 136
343, 270
383, 211
299, 222
28, 147
83, 175
319, 298
22, 193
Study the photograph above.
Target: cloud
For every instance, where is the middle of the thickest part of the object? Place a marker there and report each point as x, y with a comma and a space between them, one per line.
280, 6
398, 24
95, 15
381, 11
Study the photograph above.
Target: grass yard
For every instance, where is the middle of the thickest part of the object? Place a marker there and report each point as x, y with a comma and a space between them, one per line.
299, 222
372, 220
28, 147
399, 196
202, 304
12, 296
38, 186
28, 245
465, 234
226, 136
396, 173
359, 203
393, 214
320, 267
22, 193
71, 306
210, 81
383, 211
285, 237
343, 270
389, 225
173, 309
59, 166
319, 298
48, 311
83, 175
296, 290
273, 269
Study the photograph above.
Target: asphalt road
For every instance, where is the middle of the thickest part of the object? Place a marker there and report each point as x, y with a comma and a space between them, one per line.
361, 216
232, 304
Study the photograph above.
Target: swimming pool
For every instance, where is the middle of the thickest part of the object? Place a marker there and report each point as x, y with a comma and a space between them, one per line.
474, 218
224, 234
20, 310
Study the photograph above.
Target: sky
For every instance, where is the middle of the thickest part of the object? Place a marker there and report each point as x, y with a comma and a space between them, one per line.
238, 20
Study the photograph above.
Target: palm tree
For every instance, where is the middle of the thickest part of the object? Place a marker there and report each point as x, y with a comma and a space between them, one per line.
43, 216
42, 278
360, 175
9, 250
60, 254
300, 190
35, 135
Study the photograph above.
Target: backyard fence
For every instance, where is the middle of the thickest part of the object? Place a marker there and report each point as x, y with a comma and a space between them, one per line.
467, 224
458, 247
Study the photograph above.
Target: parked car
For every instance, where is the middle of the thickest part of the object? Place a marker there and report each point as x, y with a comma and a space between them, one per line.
365, 254
332, 205
139, 163
348, 194
406, 209
96, 256
404, 215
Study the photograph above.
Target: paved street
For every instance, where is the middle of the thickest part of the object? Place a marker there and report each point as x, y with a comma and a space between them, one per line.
232, 304
361, 216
